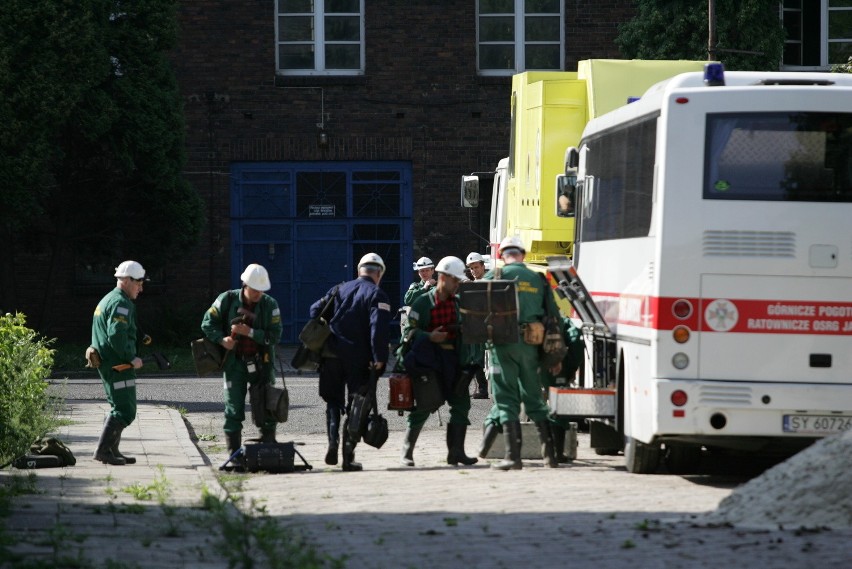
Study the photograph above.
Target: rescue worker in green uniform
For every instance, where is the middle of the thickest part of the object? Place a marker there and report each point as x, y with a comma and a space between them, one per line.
515, 367
426, 271
247, 323
114, 338
571, 362
433, 331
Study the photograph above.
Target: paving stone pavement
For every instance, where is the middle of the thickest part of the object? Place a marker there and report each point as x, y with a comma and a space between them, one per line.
591, 513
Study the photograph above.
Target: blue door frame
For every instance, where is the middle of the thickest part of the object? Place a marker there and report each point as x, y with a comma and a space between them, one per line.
308, 223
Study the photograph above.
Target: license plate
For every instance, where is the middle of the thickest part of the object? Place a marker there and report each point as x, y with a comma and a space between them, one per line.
816, 424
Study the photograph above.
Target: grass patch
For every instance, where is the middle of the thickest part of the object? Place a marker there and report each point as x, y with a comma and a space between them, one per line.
69, 358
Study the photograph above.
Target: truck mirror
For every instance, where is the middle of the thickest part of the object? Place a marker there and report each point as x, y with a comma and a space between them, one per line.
565, 194
470, 191
572, 159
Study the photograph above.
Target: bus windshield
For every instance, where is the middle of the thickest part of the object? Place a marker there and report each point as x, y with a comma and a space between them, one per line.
779, 156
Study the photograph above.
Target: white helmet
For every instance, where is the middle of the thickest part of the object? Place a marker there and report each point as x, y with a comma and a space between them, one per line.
474, 258
130, 269
423, 263
256, 277
512, 242
372, 259
452, 266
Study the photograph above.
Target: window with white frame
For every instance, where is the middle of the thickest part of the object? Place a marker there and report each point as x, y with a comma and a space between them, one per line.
519, 35
319, 37
819, 32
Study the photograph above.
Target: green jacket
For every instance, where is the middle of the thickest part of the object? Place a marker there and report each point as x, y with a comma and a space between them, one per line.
414, 292
114, 329
266, 325
419, 319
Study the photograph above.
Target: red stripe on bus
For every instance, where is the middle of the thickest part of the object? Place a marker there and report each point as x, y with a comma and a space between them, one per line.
744, 316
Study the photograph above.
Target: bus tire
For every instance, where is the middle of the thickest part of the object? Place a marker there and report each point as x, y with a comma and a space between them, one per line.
682, 459
641, 458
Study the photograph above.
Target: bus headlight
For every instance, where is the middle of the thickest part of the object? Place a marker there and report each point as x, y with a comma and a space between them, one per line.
680, 360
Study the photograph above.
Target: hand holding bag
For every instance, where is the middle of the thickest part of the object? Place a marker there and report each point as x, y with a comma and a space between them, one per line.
376, 432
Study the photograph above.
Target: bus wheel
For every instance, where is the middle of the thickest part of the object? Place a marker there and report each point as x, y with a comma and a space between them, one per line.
641, 458
682, 459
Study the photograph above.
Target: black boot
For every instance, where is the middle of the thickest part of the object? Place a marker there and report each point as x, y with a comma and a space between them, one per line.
116, 452
558, 434
332, 425
489, 435
512, 434
455, 445
268, 437
234, 441
411, 435
109, 438
546, 439
349, 464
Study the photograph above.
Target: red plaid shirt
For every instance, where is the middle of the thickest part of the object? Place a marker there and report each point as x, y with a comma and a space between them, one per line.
247, 347
444, 314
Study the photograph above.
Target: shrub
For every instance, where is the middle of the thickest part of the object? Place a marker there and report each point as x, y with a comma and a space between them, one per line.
26, 411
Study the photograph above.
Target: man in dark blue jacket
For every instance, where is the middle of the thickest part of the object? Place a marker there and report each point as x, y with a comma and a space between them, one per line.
358, 344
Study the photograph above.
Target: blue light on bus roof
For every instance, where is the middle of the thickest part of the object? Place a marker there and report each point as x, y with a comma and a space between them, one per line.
632, 99
714, 75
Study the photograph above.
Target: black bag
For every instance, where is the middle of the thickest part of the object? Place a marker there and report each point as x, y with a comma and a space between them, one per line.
553, 348
209, 357
305, 360
377, 430
278, 403
489, 311
359, 414
427, 389
271, 457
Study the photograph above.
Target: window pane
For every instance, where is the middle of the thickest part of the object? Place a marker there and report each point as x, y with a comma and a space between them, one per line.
542, 57
343, 28
839, 52
342, 6
375, 200
325, 191
342, 56
496, 57
839, 3
778, 157
292, 28
296, 56
542, 7
793, 53
496, 7
295, 6
541, 28
793, 25
840, 25
496, 28
797, 4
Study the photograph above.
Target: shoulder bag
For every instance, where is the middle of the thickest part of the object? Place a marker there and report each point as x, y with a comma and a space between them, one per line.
209, 357
553, 347
316, 330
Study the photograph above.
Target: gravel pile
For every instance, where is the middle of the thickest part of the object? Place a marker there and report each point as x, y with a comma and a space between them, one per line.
812, 489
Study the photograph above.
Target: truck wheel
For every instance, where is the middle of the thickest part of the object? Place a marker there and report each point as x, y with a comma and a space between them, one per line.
606, 451
682, 459
641, 458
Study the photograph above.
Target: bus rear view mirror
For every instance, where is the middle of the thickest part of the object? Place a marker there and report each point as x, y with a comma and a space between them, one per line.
470, 191
566, 189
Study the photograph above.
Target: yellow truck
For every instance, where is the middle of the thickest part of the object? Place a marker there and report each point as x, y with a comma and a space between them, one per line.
532, 192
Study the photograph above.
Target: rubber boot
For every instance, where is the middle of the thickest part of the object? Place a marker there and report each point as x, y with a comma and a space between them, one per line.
234, 441
349, 464
411, 435
455, 445
546, 439
332, 426
512, 434
116, 452
558, 434
109, 438
489, 435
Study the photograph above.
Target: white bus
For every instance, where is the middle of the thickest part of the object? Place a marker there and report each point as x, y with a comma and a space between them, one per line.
714, 236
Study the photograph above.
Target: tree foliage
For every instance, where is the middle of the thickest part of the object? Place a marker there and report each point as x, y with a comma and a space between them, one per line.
842, 67
678, 29
92, 130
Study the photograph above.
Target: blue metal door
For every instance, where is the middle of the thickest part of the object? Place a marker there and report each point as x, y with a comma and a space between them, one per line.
308, 223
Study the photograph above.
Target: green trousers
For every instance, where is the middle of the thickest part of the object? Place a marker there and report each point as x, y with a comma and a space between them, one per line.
237, 379
515, 379
459, 411
120, 389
